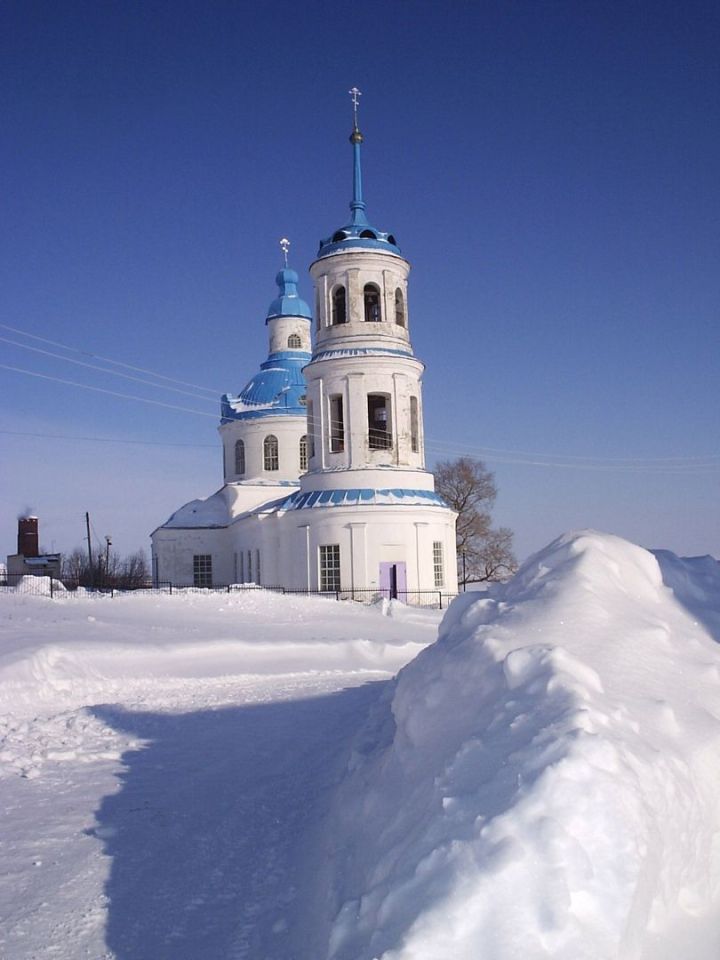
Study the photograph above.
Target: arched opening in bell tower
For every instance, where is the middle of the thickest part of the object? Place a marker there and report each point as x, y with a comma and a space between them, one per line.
379, 424
339, 306
399, 308
371, 297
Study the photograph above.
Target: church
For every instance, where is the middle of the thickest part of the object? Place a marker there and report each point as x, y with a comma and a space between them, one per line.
324, 479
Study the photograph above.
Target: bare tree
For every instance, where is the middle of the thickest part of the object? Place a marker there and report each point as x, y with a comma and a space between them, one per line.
484, 552
110, 570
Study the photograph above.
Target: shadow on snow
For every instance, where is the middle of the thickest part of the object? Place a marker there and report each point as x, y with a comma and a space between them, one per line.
213, 834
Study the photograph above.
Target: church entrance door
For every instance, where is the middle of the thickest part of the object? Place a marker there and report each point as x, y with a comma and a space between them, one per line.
393, 580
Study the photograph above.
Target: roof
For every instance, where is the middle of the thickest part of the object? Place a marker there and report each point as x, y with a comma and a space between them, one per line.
357, 497
277, 389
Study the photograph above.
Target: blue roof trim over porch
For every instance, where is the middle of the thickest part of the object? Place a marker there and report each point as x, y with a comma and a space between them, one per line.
358, 497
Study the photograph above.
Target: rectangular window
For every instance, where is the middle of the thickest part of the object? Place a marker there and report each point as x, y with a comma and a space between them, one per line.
241, 571
250, 578
202, 570
414, 442
257, 566
337, 424
379, 429
438, 563
330, 566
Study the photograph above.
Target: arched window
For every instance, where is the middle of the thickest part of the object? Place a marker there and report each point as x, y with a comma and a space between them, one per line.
414, 425
339, 308
399, 308
379, 425
303, 454
239, 457
271, 460
371, 295
294, 342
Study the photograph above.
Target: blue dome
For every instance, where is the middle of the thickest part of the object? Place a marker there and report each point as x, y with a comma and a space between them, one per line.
288, 304
278, 389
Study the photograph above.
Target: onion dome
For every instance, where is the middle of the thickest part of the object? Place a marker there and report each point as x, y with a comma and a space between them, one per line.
289, 302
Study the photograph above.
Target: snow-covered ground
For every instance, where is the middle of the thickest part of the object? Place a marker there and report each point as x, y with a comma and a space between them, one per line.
165, 760
215, 777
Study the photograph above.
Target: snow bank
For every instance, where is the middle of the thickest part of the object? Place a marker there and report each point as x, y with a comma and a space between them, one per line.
542, 781
69, 652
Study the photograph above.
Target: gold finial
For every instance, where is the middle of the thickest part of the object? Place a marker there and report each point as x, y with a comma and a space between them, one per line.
285, 246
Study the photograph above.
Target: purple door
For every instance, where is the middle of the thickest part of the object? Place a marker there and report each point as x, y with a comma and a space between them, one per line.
393, 580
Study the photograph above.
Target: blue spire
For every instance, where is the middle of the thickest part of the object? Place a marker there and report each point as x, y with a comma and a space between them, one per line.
357, 232
357, 204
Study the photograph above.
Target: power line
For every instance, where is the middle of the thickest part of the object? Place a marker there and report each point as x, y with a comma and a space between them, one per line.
113, 373
112, 393
65, 436
118, 363
691, 467
571, 456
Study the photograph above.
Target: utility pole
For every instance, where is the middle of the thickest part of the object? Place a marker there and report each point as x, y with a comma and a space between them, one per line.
108, 544
90, 556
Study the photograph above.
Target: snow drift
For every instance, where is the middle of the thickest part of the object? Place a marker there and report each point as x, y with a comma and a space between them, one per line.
543, 781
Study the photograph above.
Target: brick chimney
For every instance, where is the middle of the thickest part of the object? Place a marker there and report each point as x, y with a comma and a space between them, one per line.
28, 544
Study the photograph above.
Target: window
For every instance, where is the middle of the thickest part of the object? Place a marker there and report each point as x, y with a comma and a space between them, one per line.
294, 342
330, 566
202, 570
339, 308
271, 460
303, 454
337, 424
399, 308
241, 568
438, 563
414, 440
257, 566
311, 428
239, 457
371, 296
249, 556
379, 433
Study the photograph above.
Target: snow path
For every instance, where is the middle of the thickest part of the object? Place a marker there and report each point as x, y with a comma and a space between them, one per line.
193, 844
175, 815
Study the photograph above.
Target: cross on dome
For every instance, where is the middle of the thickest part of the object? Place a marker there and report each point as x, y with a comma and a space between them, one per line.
355, 95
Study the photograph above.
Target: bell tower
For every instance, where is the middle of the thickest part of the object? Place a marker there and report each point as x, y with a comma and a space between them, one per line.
364, 382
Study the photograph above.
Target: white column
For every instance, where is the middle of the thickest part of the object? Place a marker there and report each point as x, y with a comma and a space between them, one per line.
418, 552
358, 556
321, 413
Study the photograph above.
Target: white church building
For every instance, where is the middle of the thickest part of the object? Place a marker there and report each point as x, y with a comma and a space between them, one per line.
324, 479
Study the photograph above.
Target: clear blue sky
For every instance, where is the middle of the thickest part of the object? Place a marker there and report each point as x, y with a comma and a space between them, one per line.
550, 169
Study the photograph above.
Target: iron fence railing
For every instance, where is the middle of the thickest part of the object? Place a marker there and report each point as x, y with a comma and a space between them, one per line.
68, 586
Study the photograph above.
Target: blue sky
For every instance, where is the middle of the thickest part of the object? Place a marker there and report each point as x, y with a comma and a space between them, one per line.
549, 169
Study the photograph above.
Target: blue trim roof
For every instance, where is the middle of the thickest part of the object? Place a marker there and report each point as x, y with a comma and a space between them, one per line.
359, 497
363, 352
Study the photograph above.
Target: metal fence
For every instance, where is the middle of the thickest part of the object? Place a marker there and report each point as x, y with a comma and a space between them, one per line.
67, 587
